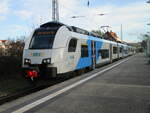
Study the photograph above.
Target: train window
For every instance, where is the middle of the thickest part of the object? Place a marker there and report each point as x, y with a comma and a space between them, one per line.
115, 50
104, 53
72, 45
84, 50
125, 51
121, 49
42, 39
78, 30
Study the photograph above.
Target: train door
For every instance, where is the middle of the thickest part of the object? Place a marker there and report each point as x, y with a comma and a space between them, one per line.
111, 52
118, 51
93, 48
71, 60
122, 51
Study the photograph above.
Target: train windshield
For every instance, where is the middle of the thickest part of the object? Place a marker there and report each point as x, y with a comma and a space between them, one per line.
42, 40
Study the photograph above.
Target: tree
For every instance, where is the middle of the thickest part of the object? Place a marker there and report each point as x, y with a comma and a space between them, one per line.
99, 32
15, 47
1, 51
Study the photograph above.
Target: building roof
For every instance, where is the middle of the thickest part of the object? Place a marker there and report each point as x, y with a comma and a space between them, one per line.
3, 41
112, 36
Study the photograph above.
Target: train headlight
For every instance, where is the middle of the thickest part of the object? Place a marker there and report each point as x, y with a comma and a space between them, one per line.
27, 61
46, 61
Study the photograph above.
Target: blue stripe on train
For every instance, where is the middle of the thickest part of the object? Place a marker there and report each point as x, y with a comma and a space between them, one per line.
87, 61
99, 45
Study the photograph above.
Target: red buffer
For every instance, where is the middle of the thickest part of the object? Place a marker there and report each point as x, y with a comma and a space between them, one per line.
32, 73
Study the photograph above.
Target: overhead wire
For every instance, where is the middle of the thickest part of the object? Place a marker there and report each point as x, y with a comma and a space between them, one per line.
88, 20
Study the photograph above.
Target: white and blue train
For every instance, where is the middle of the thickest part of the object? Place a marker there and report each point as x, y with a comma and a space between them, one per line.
55, 48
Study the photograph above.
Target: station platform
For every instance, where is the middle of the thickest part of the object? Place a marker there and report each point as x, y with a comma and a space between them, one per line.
122, 89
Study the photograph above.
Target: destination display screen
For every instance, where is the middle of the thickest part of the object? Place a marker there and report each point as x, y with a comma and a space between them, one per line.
45, 33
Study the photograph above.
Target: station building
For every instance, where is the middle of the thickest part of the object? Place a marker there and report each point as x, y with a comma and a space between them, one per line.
3, 47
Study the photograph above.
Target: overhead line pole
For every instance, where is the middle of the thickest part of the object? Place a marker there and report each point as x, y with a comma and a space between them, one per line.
121, 33
55, 11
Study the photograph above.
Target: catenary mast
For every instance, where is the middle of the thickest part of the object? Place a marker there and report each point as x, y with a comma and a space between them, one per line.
55, 11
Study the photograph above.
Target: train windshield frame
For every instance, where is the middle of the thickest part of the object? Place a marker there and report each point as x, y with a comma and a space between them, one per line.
42, 39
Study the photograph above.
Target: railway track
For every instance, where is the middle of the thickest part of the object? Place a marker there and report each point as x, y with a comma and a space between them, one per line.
34, 88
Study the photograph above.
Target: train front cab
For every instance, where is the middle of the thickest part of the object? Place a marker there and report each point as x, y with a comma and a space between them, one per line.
45, 56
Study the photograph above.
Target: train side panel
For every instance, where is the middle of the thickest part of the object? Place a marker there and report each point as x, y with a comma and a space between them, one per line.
102, 52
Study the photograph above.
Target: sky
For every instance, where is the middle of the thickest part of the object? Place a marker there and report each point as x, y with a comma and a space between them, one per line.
21, 17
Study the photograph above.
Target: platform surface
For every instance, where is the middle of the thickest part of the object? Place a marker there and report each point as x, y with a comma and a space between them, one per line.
123, 89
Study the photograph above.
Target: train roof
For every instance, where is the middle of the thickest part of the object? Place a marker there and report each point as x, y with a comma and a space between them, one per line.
57, 25
51, 24
71, 28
